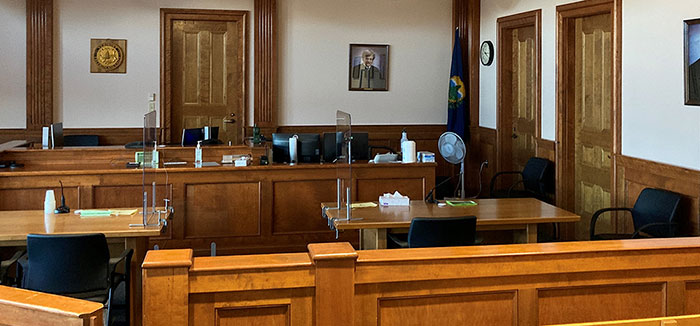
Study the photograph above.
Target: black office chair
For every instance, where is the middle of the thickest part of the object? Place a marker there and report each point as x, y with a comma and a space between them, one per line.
81, 140
76, 266
654, 216
537, 179
5, 266
438, 232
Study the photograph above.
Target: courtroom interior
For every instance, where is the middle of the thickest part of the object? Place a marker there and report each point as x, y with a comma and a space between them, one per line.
328, 162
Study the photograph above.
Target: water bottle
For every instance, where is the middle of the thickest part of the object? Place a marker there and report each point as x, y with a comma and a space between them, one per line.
198, 155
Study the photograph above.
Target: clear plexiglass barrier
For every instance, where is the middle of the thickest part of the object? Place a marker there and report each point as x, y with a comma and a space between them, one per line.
343, 141
155, 196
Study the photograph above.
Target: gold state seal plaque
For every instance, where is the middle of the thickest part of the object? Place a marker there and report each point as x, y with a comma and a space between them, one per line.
108, 56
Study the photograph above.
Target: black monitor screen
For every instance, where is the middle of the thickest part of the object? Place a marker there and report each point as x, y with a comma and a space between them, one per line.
333, 143
190, 137
308, 148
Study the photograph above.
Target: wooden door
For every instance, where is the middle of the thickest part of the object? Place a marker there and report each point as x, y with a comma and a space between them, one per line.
208, 76
519, 89
523, 138
593, 116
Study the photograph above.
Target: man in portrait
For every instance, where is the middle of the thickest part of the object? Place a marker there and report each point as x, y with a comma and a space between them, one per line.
366, 75
694, 82
693, 62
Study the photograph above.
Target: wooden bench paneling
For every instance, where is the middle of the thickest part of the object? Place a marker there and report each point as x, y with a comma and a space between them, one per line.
530, 284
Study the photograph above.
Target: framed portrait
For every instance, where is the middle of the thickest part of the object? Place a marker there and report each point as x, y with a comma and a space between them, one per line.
368, 67
692, 61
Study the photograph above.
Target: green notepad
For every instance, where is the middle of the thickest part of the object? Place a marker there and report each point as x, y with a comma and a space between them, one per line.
94, 213
460, 202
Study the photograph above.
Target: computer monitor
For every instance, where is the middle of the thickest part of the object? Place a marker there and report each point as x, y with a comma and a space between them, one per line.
57, 135
210, 132
308, 148
190, 137
332, 144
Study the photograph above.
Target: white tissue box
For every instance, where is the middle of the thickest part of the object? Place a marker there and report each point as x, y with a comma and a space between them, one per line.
393, 201
241, 162
426, 157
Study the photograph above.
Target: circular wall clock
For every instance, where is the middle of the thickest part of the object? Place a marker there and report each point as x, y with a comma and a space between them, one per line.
486, 53
109, 56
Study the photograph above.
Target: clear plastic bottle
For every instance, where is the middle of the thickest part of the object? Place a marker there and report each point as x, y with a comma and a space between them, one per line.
404, 137
198, 155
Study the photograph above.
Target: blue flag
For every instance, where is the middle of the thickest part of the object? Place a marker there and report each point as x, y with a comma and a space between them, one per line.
457, 115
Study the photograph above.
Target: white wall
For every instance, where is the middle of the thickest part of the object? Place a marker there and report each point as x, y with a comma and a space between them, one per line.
313, 56
13, 52
314, 38
656, 125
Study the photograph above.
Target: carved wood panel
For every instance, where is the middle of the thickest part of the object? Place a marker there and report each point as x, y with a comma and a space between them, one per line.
33, 198
600, 303
455, 309
295, 204
222, 210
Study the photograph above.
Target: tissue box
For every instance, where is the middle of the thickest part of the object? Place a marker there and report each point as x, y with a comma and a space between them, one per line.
426, 157
393, 201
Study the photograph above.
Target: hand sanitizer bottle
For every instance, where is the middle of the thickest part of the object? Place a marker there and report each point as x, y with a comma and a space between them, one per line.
404, 137
198, 155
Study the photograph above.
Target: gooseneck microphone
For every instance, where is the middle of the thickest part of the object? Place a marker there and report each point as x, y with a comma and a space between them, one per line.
63, 208
430, 198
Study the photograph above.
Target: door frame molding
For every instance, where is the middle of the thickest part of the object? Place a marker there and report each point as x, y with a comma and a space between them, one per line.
565, 119
167, 16
504, 25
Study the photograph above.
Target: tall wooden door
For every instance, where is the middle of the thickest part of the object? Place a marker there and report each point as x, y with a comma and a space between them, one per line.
593, 116
585, 124
208, 76
519, 90
524, 98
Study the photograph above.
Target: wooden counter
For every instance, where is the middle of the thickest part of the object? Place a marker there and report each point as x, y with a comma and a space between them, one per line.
255, 209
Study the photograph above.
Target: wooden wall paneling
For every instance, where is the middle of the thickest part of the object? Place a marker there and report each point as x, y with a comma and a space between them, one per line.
33, 198
546, 149
294, 201
487, 151
222, 210
265, 63
372, 189
39, 63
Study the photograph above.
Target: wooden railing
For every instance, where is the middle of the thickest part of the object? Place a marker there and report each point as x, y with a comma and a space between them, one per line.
29, 308
332, 284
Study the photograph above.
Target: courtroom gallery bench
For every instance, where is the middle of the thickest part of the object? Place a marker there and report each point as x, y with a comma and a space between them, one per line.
333, 284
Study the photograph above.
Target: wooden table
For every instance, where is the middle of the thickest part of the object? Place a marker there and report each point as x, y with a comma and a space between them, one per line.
522, 215
15, 225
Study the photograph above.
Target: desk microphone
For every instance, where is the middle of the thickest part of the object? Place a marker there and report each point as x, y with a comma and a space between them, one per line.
430, 198
63, 208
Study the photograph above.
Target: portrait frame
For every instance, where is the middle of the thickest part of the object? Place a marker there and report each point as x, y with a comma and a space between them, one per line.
374, 77
691, 61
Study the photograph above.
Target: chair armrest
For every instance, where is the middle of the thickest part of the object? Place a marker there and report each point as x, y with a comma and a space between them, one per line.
126, 258
597, 214
510, 190
5, 265
650, 225
493, 179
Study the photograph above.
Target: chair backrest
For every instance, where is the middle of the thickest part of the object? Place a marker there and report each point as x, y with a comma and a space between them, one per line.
538, 176
656, 206
65, 264
81, 140
442, 232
